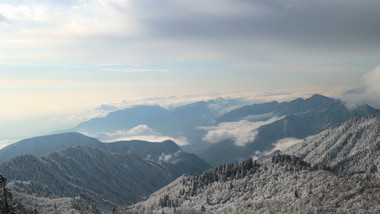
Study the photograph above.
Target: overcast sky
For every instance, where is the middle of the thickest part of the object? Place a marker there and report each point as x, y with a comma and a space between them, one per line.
67, 57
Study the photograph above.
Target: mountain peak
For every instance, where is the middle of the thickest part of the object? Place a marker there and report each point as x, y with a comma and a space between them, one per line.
44, 144
319, 97
171, 143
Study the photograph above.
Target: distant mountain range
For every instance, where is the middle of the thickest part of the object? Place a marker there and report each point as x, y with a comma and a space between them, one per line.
300, 118
349, 148
177, 122
284, 184
113, 173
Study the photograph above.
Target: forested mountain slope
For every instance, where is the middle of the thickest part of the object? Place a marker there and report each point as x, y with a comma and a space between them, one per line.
285, 184
351, 147
32, 198
112, 178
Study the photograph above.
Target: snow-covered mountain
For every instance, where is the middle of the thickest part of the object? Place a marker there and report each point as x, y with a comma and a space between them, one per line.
352, 147
298, 119
285, 184
31, 198
112, 178
115, 174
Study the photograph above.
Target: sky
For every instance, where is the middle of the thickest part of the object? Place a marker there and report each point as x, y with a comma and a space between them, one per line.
61, 60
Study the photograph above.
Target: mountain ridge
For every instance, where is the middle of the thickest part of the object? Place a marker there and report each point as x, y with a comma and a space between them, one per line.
43, 144
301, 118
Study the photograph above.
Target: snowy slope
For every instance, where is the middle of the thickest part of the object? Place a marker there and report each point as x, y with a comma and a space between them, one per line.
112, 178
33, 196
286, 184
351, 147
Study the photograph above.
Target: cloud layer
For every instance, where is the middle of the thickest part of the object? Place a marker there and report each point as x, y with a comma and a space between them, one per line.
281, 145
285, 143
368, 93
241, 132
141, 132
236, 30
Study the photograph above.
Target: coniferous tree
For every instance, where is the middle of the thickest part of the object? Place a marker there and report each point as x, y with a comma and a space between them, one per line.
6, 205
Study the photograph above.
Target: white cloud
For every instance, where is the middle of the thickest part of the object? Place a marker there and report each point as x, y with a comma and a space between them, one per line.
242, 132
260, 117
25, 12
281, 145
127, 70
222, 99
372, 80
181, 141
140, 132
164, 157
285, 143
20, 108
39, 31
182, 30
168, 157
6, 142
222, 109
368, 93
